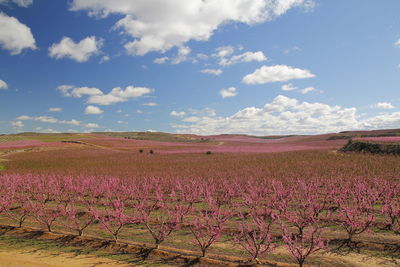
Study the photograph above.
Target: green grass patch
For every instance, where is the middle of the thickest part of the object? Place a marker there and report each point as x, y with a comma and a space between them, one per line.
2, 167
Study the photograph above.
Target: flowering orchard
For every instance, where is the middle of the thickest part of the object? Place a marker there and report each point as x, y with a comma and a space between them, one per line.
254, 214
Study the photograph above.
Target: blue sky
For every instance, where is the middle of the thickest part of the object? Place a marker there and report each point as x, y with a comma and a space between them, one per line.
259, 67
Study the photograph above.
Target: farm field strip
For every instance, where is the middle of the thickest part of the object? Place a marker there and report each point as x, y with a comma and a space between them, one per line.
301, 211
305, 206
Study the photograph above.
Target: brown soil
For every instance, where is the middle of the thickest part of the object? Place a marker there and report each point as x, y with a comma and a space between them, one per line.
31, 257
158, 257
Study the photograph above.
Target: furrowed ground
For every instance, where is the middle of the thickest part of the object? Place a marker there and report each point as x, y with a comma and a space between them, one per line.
141, 184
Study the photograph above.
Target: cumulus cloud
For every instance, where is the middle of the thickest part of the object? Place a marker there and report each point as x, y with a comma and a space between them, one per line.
212, 71
15, 36
104, 59
21, 3
3, 85
284, 115
175, 22
397, 43
183, 53
82, 91
161, 60
383, 105
149, 104
52, 120
118, 95
55, 109
244, 57
307, 90
96, 96
225, 56
91, 125
48, 119
80, 52
17, 124
93, 110
230, 92
178, 114
224, 51
277, 73
289, 87
78, 92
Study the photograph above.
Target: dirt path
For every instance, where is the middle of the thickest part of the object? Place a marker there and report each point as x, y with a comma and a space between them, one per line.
33, 257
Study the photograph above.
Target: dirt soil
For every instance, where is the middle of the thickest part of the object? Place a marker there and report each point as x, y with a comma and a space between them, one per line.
32, 257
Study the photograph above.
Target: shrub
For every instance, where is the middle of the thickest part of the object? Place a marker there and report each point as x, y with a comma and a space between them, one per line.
151, 151
140, 150
208, 153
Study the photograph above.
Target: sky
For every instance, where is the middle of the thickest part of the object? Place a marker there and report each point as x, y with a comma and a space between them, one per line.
259, 67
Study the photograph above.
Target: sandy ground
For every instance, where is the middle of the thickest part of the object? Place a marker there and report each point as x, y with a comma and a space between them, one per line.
34, 258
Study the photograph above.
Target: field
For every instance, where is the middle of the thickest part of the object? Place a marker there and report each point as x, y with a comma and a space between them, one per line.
176, 200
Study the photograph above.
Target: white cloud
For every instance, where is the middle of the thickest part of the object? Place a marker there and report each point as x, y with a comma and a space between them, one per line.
83, 91
149, 104
289, 87
183, 53
397, 43
230, 92
118, 95
284, 115
91, 125
93, 110
78, 92
104, 59
122, 122
245, 57
21, 3
79, 52
277, 73
3, 85
48, 119
17, 124
224, 51
212, 71
52, 120
178, 114
201, 56
55, 109
383, 105
15, 36
175, 22
96, 96
161, 60
65, 89
307, 90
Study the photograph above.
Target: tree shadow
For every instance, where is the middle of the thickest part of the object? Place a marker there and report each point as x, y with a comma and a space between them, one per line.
144, 253
5, 229
346, 246
191, 262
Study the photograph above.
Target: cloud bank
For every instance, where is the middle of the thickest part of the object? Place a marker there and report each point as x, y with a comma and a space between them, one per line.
175, 22
284, 115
